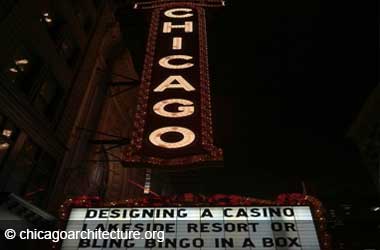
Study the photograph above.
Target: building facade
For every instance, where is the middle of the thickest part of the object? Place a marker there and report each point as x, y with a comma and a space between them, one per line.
69, 75
65, 78
365, 132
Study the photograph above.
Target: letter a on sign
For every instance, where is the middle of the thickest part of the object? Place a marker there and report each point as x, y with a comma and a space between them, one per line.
169, 83
172, 125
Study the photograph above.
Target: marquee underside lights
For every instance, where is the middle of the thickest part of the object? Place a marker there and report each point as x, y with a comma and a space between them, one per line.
173, 125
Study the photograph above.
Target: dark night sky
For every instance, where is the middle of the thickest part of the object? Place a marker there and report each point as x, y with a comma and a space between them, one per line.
293, 76
288, 79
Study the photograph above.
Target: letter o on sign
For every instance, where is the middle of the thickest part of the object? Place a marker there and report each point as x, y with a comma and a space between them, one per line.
188, 137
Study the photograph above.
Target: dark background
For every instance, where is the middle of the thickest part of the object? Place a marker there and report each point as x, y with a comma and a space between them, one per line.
288, 80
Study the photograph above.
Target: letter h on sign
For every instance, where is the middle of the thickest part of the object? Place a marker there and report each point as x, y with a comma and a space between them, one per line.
172, 126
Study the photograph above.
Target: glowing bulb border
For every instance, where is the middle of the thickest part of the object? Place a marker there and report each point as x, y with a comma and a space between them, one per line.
213, 154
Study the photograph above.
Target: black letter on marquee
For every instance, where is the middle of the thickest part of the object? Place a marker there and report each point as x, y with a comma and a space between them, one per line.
150, 243
192, 227
84, 243
207, 213
91, 213
294, 241
248, 243
268, 242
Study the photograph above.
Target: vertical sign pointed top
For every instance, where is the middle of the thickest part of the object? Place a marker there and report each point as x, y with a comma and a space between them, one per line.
173, 125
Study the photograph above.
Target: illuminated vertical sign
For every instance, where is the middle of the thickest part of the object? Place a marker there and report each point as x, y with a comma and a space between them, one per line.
173, 125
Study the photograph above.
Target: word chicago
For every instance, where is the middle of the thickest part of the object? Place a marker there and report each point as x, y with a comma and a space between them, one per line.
177, 62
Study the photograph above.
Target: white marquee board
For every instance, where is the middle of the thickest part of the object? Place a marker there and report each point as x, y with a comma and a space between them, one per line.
209, 228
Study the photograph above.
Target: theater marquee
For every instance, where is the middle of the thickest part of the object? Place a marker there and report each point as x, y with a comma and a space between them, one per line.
292, 221
210, 228
173, 125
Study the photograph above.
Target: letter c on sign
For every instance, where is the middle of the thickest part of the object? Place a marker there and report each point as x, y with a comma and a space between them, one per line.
171, 13
188, 137
165, 62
